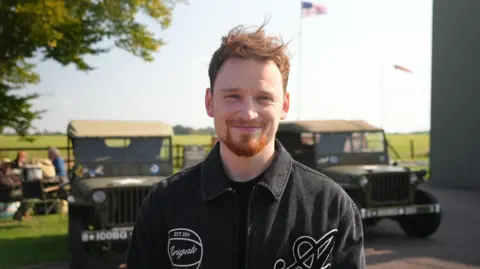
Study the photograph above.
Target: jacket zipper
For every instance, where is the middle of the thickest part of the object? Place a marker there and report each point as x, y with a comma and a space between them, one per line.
247, 258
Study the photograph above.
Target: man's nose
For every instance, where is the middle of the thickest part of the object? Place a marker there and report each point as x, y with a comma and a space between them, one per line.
248, 111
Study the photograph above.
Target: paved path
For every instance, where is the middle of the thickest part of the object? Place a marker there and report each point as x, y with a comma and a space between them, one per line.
455, 246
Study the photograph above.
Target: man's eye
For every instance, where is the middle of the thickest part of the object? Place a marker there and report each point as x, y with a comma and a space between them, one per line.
266, 98
232, 96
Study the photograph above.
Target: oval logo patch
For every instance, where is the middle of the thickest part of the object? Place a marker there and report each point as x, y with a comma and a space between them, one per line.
185, 248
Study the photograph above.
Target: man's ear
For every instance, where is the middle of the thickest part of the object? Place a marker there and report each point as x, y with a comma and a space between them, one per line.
209, 102
285, 106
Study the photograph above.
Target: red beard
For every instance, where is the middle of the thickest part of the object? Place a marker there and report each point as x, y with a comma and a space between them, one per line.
247, 145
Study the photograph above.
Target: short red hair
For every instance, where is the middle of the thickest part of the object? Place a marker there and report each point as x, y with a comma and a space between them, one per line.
239, 43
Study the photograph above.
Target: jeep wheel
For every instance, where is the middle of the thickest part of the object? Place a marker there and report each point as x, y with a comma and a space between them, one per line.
77, 251
421, 226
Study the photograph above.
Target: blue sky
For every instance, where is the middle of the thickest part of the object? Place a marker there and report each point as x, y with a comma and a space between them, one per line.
347, 60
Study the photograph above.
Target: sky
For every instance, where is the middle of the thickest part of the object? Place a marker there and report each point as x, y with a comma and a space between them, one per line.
346, 66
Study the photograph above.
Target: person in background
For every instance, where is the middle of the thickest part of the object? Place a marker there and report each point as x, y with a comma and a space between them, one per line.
58, 163
7, 181
21, 160
10, 189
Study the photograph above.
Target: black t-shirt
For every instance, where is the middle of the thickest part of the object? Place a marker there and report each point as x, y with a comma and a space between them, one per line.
243, 190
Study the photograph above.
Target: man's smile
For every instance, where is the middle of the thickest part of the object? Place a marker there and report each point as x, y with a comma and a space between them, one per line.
246, 128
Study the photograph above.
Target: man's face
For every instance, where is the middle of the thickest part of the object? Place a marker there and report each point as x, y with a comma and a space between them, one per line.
247, 105
22, 157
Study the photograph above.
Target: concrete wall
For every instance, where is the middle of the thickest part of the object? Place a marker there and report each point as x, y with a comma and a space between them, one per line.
455, 109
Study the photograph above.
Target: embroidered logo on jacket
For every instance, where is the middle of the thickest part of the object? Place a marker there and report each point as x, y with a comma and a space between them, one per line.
308, 252
185, 248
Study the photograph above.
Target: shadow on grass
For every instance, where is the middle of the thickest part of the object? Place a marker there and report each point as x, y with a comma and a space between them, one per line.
20, 252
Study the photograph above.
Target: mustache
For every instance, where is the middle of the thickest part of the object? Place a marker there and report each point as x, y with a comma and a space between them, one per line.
244, 123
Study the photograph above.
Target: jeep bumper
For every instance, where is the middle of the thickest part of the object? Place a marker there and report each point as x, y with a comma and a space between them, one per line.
398, 211
116, 234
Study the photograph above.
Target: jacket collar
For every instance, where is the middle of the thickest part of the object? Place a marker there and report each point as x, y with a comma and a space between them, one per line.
214, 181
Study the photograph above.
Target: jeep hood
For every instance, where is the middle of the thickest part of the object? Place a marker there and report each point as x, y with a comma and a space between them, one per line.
116, 182
358, 170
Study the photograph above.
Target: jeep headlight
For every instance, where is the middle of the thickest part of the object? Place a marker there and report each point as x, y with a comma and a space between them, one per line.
98, 197
413, 178
363, 181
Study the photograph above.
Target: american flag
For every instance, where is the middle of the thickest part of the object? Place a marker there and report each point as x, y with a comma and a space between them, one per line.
312, 9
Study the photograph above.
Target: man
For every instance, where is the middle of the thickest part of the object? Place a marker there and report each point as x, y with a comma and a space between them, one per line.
20, 161
10, 190
9, 183
248, 204
58, 163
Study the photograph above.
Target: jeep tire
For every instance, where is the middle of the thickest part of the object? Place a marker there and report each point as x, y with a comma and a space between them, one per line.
76, 250
421, 226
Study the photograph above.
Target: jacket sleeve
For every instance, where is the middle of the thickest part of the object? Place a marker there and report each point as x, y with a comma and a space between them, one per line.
148, 243
349, 251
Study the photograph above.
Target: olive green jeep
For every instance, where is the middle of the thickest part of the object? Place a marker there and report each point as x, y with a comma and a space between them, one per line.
354, 154
116, 165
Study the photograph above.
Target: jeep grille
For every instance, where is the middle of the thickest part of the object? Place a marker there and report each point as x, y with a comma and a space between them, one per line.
123, 205
389, 189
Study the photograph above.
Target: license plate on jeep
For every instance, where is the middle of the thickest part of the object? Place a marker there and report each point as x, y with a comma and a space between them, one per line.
106, 235
383, 212
399, 211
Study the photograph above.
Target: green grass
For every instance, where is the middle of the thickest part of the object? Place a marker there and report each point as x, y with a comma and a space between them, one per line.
31, 242
401, 143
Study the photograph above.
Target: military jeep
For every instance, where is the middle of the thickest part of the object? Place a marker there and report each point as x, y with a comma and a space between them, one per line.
354, 154
116, 165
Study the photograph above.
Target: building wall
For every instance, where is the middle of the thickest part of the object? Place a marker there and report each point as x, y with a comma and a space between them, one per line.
455, 108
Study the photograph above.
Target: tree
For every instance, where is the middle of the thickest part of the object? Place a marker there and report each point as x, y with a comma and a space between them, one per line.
66, 31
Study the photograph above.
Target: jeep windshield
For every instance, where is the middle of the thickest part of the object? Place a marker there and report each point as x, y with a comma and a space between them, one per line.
121, 150
349, 143
122, 157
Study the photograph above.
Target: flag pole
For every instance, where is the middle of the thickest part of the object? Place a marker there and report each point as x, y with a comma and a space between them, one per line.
382, 94
383, 69
299, 76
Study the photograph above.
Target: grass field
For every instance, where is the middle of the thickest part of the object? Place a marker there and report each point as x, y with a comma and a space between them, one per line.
401, 143
32, 241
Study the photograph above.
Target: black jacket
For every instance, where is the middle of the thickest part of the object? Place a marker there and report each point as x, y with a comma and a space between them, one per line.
299, 218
